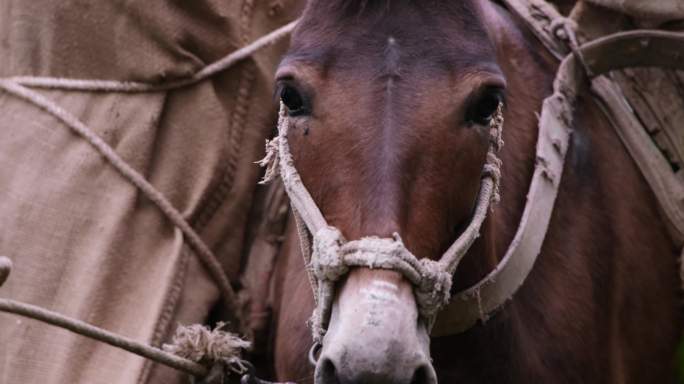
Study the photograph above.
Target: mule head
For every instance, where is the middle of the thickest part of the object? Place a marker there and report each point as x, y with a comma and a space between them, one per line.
389, 105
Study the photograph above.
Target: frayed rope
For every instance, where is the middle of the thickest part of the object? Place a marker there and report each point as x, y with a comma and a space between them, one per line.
271, 161
209, 347
493, 164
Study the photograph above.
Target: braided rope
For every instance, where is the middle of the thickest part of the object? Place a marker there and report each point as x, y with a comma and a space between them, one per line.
330, 256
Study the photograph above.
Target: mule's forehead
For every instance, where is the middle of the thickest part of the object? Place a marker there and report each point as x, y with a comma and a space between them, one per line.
430, 35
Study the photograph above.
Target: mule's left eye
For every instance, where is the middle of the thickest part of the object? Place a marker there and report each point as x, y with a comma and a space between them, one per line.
293, 100
483, 109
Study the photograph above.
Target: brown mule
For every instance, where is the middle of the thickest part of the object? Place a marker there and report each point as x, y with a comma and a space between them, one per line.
389, 102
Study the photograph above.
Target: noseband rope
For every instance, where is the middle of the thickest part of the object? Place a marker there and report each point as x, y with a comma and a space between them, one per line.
329, 256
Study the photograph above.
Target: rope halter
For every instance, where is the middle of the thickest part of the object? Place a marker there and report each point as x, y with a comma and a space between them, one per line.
328, 255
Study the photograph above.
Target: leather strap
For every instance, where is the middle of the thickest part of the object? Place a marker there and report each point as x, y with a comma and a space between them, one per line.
638, 48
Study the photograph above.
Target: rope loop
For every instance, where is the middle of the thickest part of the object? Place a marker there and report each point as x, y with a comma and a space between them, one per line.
315, 353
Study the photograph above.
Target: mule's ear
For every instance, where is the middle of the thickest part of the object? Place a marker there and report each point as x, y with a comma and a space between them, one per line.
494, 19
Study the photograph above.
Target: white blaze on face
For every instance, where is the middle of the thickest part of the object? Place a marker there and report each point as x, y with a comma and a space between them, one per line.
379, 296
374, 305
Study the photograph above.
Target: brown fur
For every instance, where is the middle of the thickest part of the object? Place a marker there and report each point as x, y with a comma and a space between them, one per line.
386, 150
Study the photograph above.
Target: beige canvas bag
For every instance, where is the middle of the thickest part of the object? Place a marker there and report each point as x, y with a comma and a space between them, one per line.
84, 241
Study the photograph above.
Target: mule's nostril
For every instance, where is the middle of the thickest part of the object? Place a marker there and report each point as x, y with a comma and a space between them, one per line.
422, 376
328, 372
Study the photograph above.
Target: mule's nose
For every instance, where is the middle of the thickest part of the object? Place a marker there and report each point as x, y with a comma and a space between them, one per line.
375, 335
351, 368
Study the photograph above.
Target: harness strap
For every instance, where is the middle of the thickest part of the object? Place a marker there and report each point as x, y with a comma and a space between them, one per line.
628, 49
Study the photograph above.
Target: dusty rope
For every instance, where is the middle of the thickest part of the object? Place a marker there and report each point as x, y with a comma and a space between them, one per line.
330, 256
17, 86
85, 329
192, 350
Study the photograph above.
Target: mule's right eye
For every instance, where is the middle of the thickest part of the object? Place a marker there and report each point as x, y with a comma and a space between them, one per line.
483, 109
293, 100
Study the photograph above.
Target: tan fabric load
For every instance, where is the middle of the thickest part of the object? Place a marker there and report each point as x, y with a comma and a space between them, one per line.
84, 241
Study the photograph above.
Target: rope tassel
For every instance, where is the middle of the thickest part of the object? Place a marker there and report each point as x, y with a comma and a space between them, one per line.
209, 347
271, 161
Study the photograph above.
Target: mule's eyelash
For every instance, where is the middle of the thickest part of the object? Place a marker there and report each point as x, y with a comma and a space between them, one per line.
276, 93
281, 81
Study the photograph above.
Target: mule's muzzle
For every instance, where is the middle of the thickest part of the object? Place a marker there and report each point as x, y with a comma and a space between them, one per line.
375, 334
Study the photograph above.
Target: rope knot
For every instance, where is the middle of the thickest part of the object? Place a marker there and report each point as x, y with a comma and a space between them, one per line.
434, 290
327, 263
